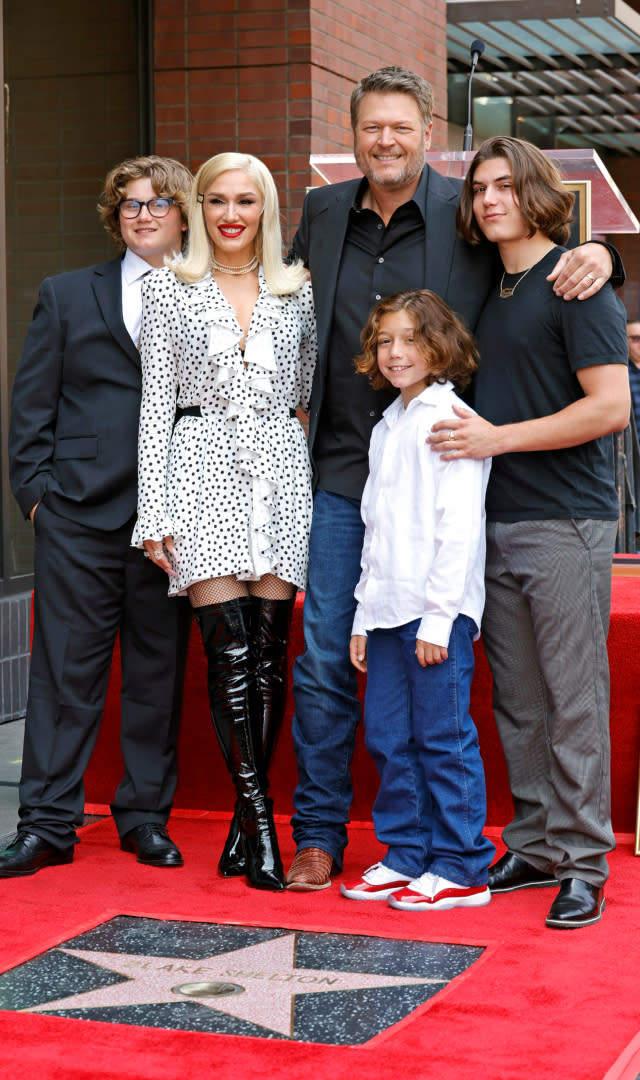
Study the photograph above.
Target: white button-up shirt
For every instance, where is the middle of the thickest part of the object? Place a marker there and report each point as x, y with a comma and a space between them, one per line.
134, 269
424, 546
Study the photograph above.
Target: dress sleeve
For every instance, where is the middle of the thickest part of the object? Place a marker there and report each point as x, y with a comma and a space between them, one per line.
308, 343
157, 411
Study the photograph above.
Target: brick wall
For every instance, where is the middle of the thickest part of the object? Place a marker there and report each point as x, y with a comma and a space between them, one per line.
273, 77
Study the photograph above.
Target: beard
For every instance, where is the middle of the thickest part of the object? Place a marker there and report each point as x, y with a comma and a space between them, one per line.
409, 169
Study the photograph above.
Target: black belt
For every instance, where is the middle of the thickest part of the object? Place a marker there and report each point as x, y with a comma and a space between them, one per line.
191, 410
195, 410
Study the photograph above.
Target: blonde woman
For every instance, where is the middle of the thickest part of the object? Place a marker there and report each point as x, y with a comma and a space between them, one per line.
228, 348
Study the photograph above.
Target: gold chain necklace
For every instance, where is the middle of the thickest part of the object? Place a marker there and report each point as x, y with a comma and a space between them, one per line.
246, 268
509, 291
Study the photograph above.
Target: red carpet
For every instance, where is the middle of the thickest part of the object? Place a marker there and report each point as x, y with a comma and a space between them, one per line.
204, 783
538, 1004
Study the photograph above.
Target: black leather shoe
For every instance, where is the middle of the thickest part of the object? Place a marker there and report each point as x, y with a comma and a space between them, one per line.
577, 904
28, 853
152, 845
511, 873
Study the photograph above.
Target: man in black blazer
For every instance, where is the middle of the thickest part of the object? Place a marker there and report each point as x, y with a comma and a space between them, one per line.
363, 239
73, 465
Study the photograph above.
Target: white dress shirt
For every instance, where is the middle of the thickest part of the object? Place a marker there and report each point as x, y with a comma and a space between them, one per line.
424, 547
134, 269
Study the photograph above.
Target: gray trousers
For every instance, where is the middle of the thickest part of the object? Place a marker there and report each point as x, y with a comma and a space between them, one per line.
545, 629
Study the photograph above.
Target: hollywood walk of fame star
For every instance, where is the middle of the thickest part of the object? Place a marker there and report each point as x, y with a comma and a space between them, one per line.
257, 983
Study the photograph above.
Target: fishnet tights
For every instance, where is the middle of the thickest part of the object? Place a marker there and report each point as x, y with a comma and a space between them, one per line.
218, 590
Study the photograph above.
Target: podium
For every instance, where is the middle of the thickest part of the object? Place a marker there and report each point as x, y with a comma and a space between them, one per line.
600, 205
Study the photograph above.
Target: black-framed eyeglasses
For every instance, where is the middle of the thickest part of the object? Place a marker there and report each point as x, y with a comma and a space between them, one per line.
158, 207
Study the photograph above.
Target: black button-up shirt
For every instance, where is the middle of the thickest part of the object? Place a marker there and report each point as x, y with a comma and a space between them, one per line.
377, 260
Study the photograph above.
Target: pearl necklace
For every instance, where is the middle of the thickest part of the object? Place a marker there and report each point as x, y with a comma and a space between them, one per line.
235, 271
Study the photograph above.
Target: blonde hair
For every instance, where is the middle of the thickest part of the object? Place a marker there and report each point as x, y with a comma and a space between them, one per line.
196, 264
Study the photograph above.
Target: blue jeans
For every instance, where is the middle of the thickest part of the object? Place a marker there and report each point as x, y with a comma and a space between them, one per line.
327, 711
431, 806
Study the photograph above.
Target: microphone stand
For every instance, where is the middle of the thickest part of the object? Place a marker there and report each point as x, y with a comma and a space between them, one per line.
468, 131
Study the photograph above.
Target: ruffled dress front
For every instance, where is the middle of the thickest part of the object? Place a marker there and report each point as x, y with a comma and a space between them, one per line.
232, 486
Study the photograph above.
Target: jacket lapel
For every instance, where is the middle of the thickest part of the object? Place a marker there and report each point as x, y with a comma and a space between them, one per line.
107, 286
328, 242
440, 210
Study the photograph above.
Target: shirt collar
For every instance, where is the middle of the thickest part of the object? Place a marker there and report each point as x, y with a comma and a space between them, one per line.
429, 396
133, 267
419, 196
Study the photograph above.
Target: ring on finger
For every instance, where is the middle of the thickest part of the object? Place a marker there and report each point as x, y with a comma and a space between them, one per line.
451, 435
590, 278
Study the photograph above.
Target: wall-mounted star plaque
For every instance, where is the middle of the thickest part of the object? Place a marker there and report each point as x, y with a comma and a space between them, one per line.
237, 980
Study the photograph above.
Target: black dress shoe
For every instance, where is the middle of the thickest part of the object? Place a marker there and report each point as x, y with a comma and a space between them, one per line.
152, 844
511, 873
577, 904
27, 853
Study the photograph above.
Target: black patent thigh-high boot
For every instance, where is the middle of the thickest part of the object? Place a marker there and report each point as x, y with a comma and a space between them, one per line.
270, 625
225, 634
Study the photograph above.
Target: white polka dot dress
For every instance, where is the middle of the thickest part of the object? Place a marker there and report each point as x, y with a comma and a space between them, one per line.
232, 486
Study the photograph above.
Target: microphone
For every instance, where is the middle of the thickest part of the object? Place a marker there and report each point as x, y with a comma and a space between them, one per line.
476, 50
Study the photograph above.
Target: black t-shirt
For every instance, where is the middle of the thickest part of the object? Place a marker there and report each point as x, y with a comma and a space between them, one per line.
531, 346
377, 260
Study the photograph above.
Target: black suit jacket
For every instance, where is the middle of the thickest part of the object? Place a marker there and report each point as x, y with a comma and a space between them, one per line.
460, 274
73, 435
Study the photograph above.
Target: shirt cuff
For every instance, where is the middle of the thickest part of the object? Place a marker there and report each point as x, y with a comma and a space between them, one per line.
436, 629
358, 624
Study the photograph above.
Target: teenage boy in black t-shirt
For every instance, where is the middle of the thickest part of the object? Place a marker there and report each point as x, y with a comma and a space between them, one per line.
551, 388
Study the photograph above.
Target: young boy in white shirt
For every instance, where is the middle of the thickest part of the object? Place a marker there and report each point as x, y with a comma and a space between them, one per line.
420, 599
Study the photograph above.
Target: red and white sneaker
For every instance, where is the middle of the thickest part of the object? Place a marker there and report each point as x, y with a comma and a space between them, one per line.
377, 883
433, 893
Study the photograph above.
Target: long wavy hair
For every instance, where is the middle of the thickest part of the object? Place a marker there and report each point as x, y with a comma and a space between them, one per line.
440, 336
543, 200
196, 264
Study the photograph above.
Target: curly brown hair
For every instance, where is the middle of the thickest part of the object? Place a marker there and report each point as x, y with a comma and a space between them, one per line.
544, 202
169, 178
440, 336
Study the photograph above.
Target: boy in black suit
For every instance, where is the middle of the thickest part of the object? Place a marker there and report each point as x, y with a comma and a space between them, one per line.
73, 465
